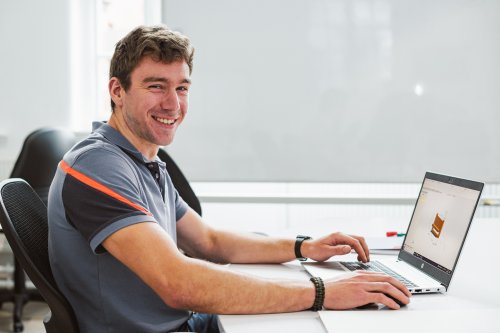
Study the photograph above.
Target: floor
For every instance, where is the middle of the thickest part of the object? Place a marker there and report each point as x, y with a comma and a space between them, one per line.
34, 312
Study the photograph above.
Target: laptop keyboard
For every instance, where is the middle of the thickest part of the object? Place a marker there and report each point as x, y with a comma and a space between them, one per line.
376, 266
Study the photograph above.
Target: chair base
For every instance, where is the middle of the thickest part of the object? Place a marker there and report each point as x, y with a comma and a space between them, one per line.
19, 301
20, 295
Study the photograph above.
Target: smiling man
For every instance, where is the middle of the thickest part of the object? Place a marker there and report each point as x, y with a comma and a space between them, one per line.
152, 105
116, 222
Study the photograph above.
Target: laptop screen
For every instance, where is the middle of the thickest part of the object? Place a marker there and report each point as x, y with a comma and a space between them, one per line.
440, 221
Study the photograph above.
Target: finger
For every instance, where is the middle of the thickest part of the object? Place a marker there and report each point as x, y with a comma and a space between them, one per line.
360, 276
340, 250
400, 286
384, 278
389, 289
385, 300
360, 272
356, 245
394, 295
364, 245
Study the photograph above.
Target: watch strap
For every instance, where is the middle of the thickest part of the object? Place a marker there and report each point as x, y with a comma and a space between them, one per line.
298, 244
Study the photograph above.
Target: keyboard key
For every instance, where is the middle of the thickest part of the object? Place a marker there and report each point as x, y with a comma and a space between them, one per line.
376, 266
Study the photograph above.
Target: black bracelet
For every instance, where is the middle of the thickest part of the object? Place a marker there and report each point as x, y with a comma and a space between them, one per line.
319, 299
298, 244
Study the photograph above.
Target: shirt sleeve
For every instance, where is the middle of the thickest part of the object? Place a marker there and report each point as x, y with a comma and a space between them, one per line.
181, 207
101, 195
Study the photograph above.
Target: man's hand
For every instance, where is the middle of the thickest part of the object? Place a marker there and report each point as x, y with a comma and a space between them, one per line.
361, 288
335, 244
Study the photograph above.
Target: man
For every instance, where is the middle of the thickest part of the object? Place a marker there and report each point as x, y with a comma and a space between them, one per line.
116, 222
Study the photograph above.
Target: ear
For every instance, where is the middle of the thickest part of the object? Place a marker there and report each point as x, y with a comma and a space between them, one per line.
115, 91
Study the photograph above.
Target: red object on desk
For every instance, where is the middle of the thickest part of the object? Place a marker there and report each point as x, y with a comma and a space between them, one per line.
391, 233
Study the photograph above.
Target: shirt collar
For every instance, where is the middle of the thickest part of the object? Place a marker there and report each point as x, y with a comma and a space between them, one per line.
118, 139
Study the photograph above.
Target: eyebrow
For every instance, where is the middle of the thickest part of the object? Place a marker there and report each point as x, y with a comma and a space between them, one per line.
162, 79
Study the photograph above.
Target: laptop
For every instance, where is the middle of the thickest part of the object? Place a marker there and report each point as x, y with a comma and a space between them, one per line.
436, 234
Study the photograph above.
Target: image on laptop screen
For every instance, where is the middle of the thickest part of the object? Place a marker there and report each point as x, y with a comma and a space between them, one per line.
440, 222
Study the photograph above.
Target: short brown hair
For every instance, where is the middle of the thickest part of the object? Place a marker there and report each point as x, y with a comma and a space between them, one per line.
158, 42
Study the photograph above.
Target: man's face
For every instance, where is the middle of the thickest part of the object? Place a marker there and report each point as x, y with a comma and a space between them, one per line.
156, 102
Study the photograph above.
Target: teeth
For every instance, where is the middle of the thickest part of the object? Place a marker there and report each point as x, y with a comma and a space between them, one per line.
165, 121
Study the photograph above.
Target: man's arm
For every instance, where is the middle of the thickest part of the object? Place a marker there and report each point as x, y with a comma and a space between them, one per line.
202, 241
194, 284
188, 283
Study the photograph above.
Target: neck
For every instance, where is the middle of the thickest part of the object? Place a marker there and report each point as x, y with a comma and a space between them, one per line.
147, 149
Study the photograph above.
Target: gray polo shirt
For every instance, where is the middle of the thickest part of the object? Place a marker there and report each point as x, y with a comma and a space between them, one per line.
103, 185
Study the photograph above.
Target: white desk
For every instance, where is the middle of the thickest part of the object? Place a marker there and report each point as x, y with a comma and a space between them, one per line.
472, 301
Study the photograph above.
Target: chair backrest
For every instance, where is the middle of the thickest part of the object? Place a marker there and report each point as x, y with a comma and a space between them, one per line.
23, 217
42, 150
180, 182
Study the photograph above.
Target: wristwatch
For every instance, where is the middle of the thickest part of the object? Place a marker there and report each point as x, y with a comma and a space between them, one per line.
298, 244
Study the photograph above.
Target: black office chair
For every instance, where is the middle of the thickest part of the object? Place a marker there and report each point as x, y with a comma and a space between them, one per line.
37, 162
180, 182
23, 217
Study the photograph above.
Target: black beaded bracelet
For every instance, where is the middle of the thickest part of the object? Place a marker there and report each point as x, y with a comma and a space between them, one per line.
319, 299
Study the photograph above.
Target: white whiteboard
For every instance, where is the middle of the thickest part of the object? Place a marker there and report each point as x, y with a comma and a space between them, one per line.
340, 90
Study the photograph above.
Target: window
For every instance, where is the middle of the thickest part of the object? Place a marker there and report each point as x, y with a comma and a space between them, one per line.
96, 28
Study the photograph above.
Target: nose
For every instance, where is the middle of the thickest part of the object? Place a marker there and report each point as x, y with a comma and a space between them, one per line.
170, 101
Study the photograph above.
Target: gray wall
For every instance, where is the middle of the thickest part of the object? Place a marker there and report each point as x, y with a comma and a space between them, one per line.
327, 90
34, 69
292, 90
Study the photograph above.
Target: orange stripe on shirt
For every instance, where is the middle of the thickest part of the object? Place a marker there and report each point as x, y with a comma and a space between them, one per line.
92, 183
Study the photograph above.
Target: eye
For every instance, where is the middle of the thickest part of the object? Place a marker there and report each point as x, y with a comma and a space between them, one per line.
183, 89
155, 86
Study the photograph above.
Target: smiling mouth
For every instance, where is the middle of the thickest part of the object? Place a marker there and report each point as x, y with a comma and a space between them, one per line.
165, 120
